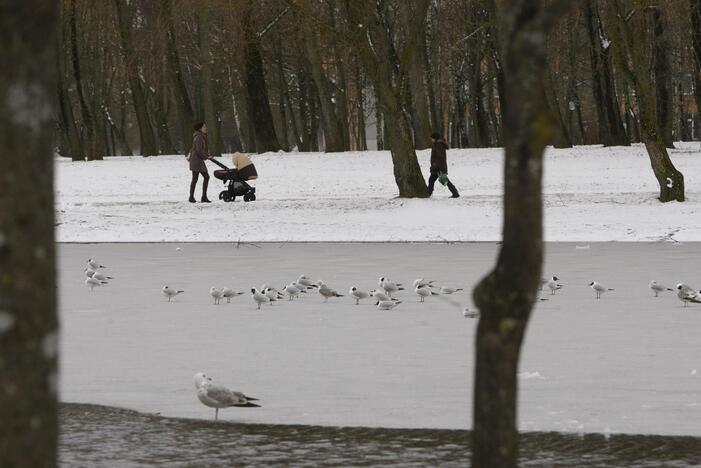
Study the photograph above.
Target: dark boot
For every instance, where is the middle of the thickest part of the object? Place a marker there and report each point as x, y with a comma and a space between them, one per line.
453, 190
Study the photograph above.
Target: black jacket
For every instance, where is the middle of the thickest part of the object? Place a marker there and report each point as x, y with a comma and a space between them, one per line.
438, 157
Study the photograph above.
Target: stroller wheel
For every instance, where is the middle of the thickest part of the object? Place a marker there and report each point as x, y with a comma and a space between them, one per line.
252, 197
227, 197
222, 194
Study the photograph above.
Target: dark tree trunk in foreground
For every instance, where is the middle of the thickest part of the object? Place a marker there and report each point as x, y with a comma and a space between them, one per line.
695, 6
387, 70
632, 58
214, 142
527, 127
147, 137
28, 322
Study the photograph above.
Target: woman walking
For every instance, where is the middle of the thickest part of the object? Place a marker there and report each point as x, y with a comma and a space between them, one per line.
198, 155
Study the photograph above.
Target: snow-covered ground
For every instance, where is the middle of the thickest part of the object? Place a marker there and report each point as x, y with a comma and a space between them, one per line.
627, 363
591, 193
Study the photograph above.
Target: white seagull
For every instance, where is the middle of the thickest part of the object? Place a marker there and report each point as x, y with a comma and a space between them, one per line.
658, 288
216, 396
258, 297
90, 273
306, 282
216, 294
389, 286
599, 288
357, 294
420, 283
449, 290
92, 283
686, 294
380, 295
327, 292
423, 293
553, 284
170, 292
388, 305
292, 291
272, 294
228, 293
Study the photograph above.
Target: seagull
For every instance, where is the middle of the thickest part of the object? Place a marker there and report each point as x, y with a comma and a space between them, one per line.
358, 294
658, 288
90, 273
229, 293
216, 396
686, 294
327, 292
469, 313
553, 284
599, 288
94, 265
448, 290
420, 283
170, 292
423, 293
306, 282
272, 294
292, 291
389, 286
258, 297
380, 295
216, 294
387, 305
92, 282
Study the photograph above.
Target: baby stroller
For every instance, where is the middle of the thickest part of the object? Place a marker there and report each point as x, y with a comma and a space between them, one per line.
236, 178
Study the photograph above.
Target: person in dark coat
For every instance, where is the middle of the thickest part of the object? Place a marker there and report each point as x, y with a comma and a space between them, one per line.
198, 155
439, 165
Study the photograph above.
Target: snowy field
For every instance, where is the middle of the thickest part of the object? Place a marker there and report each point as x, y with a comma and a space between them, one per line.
627, 363
591, 194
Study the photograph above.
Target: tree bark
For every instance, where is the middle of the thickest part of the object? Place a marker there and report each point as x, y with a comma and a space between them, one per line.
633, 61
214, 142
695, 7
147, 137
28, 320
500, 332
663, 78
71, 143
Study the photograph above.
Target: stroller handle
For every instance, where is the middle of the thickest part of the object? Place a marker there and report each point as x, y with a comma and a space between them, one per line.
217, 163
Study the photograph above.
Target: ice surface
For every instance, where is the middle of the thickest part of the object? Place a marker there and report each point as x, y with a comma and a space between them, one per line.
591, 194
626, 362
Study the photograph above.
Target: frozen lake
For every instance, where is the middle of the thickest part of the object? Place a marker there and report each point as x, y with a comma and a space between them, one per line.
628, 363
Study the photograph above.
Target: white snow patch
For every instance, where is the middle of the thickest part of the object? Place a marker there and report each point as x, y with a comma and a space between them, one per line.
530, 375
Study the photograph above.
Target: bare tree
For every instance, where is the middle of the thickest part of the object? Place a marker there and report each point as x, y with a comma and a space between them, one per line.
506, 295
28, 322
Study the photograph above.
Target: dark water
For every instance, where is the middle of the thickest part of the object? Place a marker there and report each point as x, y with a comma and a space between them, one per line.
98, 436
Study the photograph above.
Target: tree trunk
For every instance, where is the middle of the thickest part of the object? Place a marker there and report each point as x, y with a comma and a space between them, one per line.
210, 113
72, 145
182, 97
682, 114
28, 322
695, 6
148, 140
663, 78
262, 124
632, 58
388, 73
527, 129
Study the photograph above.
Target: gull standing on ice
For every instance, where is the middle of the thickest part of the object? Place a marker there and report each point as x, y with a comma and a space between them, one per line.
90, 273
306, 282
327, 292
258, 297
272, 294
599, 288
420, 283
448, 290
553, 284
292, 291
686, 294
380, 295
216, 294
228, 293
94, 265
170, 292
216, 396
658, 288
389, 286
388, 305
423, 293
92, 283
358, 294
